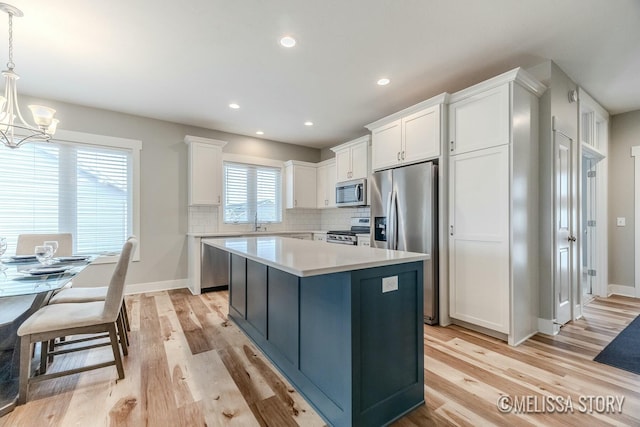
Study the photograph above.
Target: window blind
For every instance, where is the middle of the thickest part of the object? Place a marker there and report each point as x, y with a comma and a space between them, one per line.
252, 192
55, 188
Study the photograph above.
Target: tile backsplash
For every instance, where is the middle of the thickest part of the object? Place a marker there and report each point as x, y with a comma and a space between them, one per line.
204, 219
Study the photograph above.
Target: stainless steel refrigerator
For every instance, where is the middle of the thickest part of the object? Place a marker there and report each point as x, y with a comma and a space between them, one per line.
404, 216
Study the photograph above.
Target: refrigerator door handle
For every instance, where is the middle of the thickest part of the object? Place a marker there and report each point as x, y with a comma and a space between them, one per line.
389, 225
393, 219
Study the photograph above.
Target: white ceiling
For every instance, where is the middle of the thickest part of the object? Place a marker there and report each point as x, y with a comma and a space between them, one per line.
185, 62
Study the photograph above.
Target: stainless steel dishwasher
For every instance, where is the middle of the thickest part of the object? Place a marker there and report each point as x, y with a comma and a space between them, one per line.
214, 268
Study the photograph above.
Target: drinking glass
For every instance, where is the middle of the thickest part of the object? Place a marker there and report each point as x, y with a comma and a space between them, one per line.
43, 254
3, 249
53, 244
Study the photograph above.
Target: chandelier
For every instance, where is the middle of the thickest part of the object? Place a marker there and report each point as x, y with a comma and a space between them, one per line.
14, 130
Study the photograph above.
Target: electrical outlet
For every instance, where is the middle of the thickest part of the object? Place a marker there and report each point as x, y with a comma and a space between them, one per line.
621, 221
389, 284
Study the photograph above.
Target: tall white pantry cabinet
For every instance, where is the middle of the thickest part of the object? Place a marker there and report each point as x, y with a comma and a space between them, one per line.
493, 206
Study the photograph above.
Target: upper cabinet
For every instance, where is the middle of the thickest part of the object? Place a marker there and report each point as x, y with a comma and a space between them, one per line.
480, 121
352, 159
300, 184
326, 184
409, 136
205, 170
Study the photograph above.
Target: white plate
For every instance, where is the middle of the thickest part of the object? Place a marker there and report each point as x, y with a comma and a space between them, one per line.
39, 271
72, 258
24, 258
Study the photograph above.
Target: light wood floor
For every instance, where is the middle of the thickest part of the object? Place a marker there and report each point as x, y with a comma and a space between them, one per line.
188, 366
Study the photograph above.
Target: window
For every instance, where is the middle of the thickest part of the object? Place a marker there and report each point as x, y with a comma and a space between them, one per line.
67, 186
251, 193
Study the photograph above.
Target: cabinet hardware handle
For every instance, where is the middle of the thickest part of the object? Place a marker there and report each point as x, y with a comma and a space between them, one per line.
398, 156
572, 238
403, 155
218, 199
451, 145
451, 230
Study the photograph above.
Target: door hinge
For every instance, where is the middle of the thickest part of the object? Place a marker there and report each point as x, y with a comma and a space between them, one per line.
591, 272
591, 223
591, 174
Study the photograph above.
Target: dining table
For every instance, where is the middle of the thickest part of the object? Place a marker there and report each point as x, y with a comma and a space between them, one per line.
25, 286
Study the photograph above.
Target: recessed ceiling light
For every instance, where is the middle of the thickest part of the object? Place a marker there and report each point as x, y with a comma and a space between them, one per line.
308, 123
383, 82
288, 41
234, 106
259, 132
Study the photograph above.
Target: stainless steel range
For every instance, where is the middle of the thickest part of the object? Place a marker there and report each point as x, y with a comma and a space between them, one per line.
349, 237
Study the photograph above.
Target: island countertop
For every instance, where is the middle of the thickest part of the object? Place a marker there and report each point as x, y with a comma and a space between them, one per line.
305, 258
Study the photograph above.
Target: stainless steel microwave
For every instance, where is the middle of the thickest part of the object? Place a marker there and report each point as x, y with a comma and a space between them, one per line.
351, 193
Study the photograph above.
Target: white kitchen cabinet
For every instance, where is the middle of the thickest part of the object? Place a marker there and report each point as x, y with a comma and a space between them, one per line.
410, 136
320, 237
204, 170
326, 184
480, 121
493, 206
300, 184
352, 159
363, 240
479, 244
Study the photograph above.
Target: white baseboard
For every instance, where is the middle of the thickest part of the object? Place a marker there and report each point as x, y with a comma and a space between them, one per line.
626, 291
548, 327
139, 288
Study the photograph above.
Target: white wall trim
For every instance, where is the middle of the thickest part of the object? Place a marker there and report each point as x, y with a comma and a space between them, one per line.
635, 153
548, 327
626, 291
139, 288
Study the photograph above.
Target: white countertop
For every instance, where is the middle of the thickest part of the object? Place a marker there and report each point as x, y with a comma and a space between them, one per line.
310, 258
254, 233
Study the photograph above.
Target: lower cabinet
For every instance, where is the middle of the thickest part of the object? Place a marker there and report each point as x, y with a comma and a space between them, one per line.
330, 335
257, 296
238, 284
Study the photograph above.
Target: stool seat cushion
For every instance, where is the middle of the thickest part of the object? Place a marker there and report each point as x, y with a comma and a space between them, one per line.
73, 295
64, 316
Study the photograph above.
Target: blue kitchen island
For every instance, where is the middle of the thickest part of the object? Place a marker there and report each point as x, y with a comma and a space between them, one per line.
343, 323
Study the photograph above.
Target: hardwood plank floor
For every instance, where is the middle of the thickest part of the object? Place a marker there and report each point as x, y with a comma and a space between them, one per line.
189, 366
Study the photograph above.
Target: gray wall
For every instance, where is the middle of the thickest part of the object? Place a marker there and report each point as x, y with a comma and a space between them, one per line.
625, 133
163, 181
553, 103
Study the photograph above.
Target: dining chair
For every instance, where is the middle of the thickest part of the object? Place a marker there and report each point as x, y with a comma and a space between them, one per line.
60, 320
28, 242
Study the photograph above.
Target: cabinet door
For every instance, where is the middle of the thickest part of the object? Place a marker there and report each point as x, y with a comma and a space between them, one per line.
304, 186
321, 187
205, 172
360, 160
238, 284
343, 165
480, 121
421, 135
386, 146
331, 185
479, 238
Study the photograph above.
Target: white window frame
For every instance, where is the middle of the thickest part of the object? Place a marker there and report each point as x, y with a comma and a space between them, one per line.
135, 146
258, 161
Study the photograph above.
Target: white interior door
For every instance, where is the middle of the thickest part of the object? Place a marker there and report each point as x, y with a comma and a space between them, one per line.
564, 235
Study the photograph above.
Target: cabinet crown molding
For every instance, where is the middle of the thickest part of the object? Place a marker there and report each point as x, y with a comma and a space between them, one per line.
188, 139
518, 75
299, 163
443, 98
348, 144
